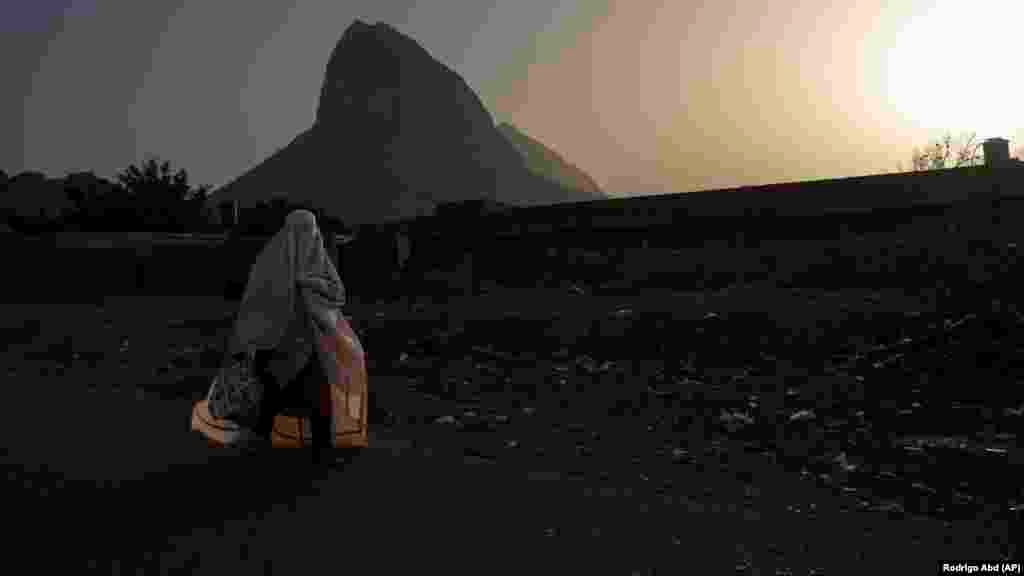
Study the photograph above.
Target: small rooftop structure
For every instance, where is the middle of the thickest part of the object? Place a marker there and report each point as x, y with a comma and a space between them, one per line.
997, 151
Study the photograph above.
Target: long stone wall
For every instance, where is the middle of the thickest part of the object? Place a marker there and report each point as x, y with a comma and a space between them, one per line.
442, 258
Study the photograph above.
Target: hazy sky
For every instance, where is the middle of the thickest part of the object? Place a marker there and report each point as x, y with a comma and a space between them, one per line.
646, 96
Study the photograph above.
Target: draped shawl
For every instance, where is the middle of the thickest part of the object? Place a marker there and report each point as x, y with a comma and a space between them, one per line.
292, 303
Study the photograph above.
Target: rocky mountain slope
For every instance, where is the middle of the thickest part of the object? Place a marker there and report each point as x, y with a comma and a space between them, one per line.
396, 133
543, 161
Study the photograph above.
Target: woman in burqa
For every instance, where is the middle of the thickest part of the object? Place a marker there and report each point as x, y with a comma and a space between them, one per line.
291, 305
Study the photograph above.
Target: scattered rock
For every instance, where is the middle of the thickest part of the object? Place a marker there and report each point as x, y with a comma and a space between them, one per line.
735, 420
662, 393
888, 506
802, 416
921, 486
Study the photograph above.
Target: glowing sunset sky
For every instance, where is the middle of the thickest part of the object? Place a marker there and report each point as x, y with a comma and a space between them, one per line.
646, 96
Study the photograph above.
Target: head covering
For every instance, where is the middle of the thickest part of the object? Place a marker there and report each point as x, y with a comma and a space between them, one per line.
292, 276
292, 307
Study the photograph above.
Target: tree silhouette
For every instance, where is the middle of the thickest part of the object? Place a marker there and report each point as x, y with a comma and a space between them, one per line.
97, 204
151, 196
163, 198
32, 203
945, 153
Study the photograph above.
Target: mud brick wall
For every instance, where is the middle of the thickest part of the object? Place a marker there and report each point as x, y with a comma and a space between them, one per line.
368, 265
37, 270
964, 243
45, 270
438, 265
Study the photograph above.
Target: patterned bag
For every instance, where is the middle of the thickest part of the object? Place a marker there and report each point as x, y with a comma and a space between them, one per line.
344, 398
236, 391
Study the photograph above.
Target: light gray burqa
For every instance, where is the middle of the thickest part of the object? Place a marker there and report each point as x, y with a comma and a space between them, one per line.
293, 297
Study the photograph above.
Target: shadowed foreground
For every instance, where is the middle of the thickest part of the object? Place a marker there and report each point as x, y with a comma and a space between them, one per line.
463, 482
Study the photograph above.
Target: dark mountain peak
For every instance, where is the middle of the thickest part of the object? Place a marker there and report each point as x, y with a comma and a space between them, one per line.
372, 65
396, 133
359, 26
361, 33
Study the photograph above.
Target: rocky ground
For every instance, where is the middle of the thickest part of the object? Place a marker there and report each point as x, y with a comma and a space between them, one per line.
755, 430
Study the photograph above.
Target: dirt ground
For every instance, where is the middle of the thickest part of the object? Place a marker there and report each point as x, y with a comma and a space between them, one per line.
749, 431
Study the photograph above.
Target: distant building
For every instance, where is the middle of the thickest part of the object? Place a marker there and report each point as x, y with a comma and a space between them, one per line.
997, 151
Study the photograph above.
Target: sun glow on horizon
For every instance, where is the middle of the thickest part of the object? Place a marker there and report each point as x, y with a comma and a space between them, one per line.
952, 67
